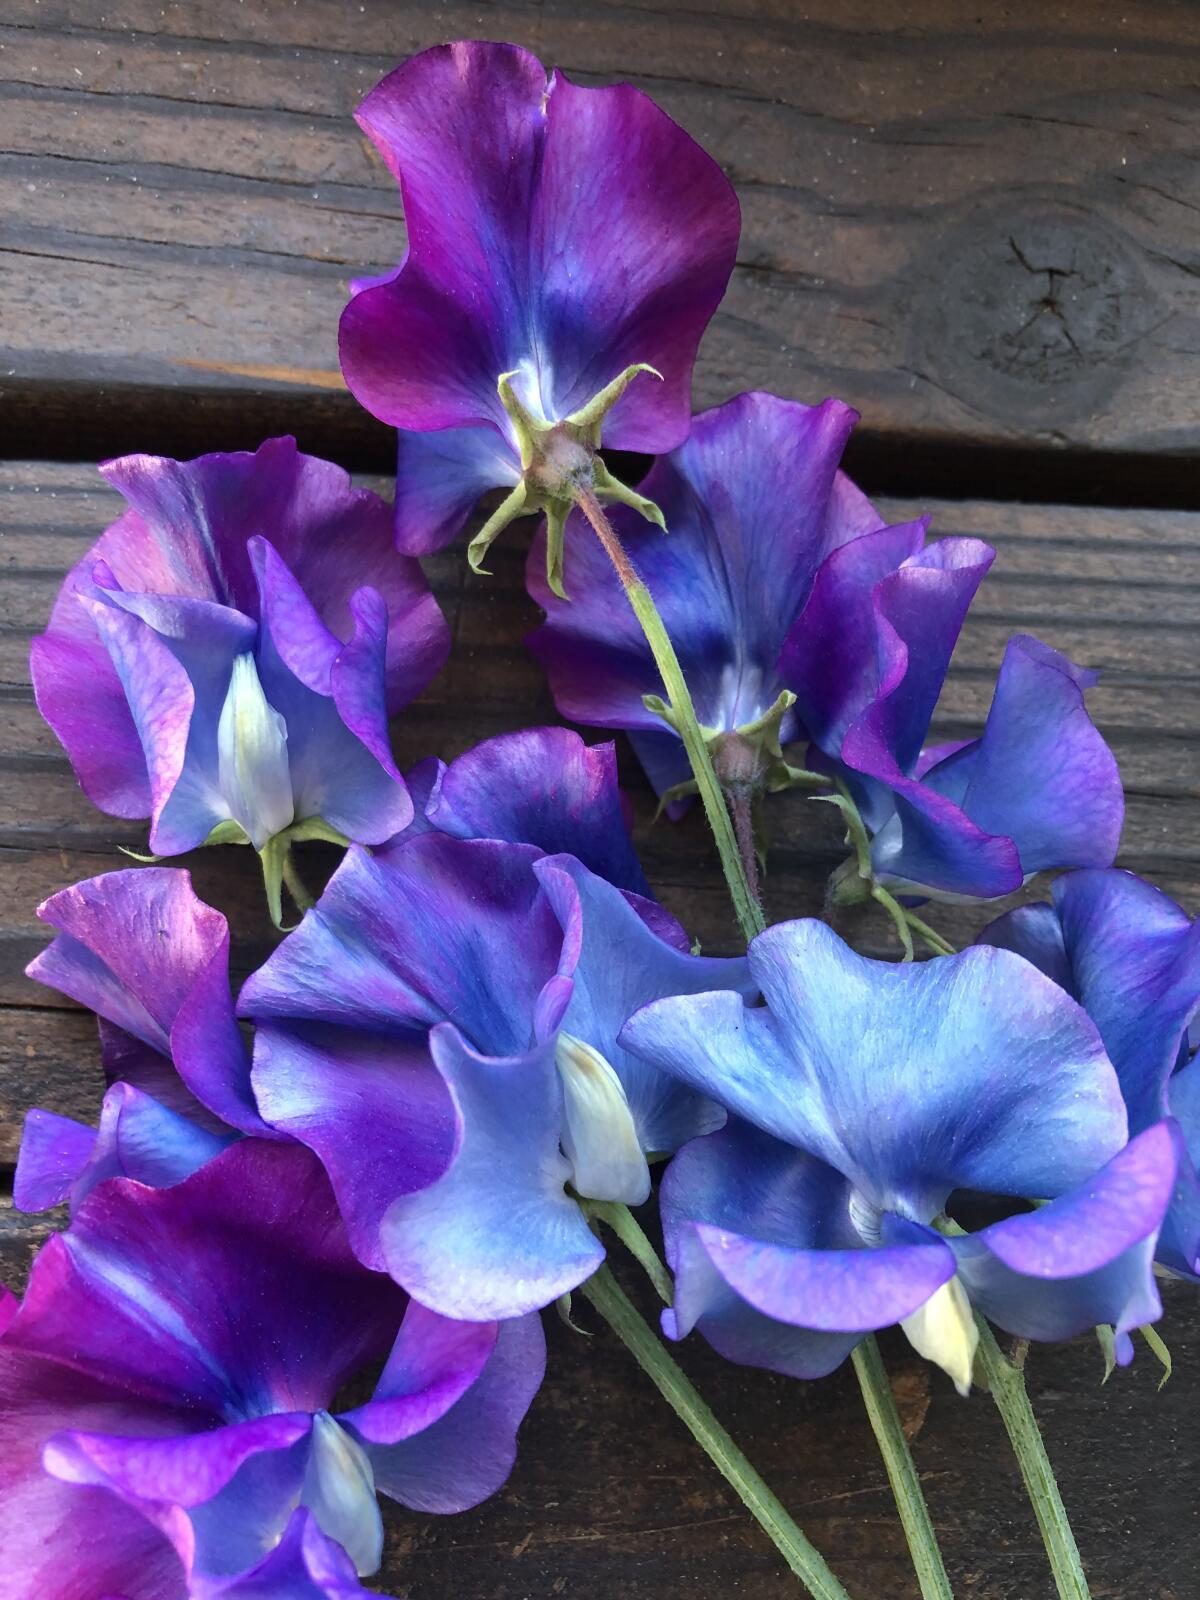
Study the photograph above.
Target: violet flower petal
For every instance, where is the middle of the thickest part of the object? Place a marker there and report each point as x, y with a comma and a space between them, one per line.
1085, 1258
994, 1079
470, 1246
536, 244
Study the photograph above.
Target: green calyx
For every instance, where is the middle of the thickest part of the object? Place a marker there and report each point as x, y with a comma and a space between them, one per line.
749, 760
278, 870
558, 462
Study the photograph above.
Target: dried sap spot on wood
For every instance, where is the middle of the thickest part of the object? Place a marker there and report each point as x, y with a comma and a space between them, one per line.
1032, 309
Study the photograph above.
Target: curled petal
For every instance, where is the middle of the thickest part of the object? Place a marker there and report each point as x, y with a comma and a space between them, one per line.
468, 1246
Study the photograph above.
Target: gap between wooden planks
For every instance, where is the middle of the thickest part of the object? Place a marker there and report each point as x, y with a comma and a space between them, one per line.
979, 227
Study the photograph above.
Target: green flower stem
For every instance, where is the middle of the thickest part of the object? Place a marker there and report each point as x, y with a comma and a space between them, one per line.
1007, 1384
301, 897
901, 1471
749, 912
610, 1300
633, 1236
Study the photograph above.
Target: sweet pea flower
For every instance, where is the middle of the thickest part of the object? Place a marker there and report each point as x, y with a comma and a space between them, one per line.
561, 241
540, 786
862, 1095
174, 1364
225, 658
753, 502
971, 820
152, 960
1131, 957
442, 1031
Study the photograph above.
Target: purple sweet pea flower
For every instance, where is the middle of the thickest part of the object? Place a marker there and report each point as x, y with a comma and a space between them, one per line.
753, 504
226, 657
866, 661
863, 1094
1131, 957
442, 1031
152, 960
557, 236
540, 786
176, 1357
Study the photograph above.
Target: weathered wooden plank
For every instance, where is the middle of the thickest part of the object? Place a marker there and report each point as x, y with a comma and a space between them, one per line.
971, 226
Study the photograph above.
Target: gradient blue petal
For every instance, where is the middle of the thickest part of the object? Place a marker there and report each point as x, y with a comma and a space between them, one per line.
987, 1075
474, 1245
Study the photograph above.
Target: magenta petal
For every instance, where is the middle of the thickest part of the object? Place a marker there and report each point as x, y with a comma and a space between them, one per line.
559, 232
185, 1471
261, 1212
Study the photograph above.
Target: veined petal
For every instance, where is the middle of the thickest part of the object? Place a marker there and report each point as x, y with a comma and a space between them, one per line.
994, 1079
468, 1246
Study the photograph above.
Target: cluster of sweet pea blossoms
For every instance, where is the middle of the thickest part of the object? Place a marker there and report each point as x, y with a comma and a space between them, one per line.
401, 1141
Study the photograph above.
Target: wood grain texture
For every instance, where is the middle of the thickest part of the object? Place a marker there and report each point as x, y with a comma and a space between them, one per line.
979, 226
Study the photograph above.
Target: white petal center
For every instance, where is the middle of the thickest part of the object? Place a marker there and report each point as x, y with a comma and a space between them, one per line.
599, 1138
252, 761
339, 1490
943, 1331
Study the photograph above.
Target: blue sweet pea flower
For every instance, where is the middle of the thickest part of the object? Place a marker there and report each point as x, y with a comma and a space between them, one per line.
863, 1096
442, 1030
1131, 957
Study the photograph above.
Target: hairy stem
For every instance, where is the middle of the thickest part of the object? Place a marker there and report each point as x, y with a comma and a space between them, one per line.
301, 897
901, 1471
745, 905
741, 808
610, 1300
1007, 1384
633, 1236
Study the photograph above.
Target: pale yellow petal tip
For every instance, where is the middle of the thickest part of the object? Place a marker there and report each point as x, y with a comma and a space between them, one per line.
943, 1330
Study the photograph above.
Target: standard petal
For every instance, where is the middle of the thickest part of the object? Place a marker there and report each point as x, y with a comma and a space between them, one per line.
427, 935
371, 1107
140, 949
504, 208
992, 1077
469, 1246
